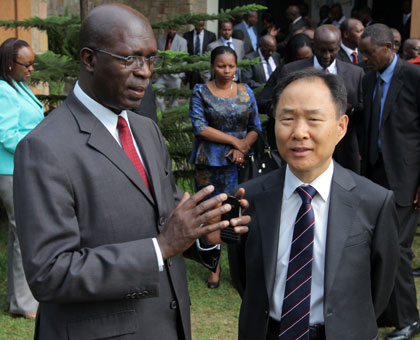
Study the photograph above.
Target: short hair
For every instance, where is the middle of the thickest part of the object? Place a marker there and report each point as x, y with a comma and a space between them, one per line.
334, 83
222, 50
224, 22
8, 53
295, 43
345, 27
379, 34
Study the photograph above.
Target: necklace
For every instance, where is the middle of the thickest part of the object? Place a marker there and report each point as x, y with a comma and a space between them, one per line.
218, 88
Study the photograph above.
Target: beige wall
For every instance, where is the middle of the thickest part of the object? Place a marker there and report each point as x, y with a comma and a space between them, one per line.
415, 19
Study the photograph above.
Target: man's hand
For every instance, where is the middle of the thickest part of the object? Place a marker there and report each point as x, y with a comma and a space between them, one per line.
191, 220
238, 223
417, 199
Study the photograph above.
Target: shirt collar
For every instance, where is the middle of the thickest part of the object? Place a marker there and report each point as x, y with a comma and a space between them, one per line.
389, 71
226, 41
262, 57
296, 20
331, 69
108, 118
348, 50
322, 183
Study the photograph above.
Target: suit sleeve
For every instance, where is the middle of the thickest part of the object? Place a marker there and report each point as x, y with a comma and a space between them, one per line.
266, 96
385, 254
247, 76
58, 266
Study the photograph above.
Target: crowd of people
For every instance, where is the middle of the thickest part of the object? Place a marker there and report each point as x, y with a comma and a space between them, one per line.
98, 228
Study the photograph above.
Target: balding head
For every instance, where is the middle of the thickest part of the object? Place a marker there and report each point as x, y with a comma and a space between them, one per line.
106, 23
327, 40
410, 49
397, 39
108, 35
267, 46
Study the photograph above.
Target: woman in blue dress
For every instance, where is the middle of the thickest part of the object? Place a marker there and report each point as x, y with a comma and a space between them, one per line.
20, 112
224, 116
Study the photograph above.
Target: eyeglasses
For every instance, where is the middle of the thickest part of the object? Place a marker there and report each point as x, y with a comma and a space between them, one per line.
26, 65
133, 62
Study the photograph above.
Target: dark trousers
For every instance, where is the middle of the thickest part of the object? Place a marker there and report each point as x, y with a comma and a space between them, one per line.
402, 307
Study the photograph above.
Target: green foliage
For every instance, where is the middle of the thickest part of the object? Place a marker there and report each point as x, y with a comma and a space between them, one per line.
52, 67
62, 31
189, 18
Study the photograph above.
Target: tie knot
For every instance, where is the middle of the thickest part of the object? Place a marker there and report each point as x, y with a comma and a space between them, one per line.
306, 193
122, 123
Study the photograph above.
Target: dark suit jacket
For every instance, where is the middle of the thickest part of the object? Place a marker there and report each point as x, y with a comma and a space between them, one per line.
342, 55
400, 130
347, 151
254, 75
86, 242
209, 37
361, 255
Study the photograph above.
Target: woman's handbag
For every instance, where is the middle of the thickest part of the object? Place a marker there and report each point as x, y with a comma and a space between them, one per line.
263, 161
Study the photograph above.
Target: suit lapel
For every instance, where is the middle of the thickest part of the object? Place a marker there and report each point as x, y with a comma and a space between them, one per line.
149, 157
343, 208
370, 85
102, 141
393, 91
269, 222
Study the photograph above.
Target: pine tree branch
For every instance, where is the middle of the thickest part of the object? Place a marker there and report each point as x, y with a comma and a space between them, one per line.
186, 19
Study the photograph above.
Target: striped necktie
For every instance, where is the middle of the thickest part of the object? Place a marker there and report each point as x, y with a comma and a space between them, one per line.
197, 45
294, 323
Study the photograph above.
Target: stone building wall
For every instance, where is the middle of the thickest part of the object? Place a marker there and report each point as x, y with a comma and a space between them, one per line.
154, 10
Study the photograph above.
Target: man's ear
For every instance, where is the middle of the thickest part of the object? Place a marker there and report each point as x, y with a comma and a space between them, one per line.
342, 126
88, 59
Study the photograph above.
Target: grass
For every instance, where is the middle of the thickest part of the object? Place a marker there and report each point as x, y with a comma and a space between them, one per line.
214, 312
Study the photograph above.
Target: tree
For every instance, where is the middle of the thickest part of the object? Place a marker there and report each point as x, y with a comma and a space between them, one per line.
60, 64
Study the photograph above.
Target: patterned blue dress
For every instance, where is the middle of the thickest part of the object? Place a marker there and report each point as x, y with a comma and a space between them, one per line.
235, 116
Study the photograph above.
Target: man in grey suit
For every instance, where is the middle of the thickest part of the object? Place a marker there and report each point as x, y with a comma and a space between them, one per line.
391, 158
326, 272
247, 26
173, 42
101, 222
326, 46
256, 75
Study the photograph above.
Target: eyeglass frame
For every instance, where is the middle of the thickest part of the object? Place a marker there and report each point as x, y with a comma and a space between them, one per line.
141, 59
22, 64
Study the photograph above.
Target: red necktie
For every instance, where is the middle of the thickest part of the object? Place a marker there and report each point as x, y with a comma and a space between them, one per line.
128, 146
169, 44
354, 54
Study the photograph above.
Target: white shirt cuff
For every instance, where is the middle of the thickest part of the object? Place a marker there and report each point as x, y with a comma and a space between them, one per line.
158, 254
217, 246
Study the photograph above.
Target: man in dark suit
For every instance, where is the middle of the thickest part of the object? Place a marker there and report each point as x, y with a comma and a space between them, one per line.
391, 158
101, 222
256, 75
197, 41
326, 46
147, 107
351, 31
326, 272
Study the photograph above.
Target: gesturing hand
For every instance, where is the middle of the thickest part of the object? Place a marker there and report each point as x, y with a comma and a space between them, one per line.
191, 220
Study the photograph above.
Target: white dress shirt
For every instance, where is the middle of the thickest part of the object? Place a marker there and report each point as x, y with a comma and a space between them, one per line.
264, 63
331, 69
289, 209
109, 119
201, 35
349, 51
225, 42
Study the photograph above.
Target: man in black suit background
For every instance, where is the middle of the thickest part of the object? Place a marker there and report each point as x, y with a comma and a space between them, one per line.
197, 42
326, 46
342, 270
351, 31
391, 158
256, 75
